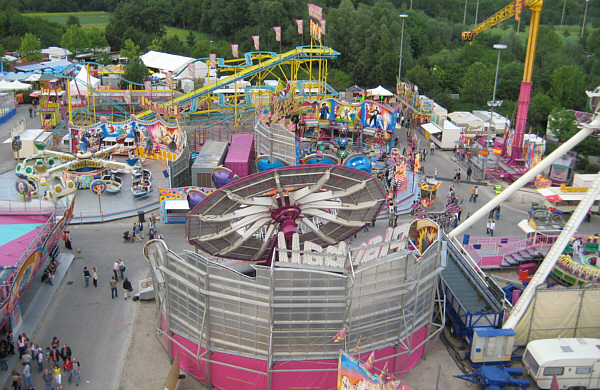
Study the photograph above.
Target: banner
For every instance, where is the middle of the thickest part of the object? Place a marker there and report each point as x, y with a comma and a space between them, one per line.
170, 80
323, 24
315, 11
148, 86
518, 6
192, 69
277, 33
234, 50
127, 96
256, 39
300, 24
315, 30
353, 375
213, 60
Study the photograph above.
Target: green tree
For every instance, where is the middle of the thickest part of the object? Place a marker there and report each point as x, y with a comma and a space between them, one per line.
96, 39
477, 85
190, 39
31, 47
130, 50
139, 20
567, 87
75, 39
135, 72
104, 59
540, 107
73, 20
564, 127
156, 45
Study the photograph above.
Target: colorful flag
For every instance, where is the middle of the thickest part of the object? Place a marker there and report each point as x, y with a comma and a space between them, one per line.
127, 96
300, 24
315, 11
370, 360
234, 50
384, 371
148, 86
341, 335
358, 344
191, 68
323, 24
256, 39
518, 7
169, 80
277, 33
212, 57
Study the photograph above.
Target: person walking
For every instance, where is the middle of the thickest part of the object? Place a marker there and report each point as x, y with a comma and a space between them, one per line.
127, 287
55, 355
492, 227
458, 175
95, 276
76, 371
40, 359
497, 213
65, 352
116, 269
68, 366
4, 357
27, 376
68, 240
113, 288
435, 173
57, 374
491, 214
47, 378
137, 233
122, 268
487, 227
86, 276
469, 173
30, 112
432, 148
16, 380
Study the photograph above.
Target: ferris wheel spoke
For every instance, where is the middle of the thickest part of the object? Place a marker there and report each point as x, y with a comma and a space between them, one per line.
331, 218
244, 237
238, 213
301, 193
342, 205
234, 227
266, 241
251, 201
315, 229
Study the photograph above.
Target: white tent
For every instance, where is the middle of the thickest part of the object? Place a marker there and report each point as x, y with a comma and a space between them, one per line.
17, 85
165, 63
5, 85
79, 85
379, 91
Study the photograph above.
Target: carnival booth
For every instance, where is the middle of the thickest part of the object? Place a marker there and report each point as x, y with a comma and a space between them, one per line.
469, 124
440, 130
500, 124
428, 189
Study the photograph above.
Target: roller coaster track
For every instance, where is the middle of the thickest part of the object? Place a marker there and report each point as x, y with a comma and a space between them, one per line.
250, 68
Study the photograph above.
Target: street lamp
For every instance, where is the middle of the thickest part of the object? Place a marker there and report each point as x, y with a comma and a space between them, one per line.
403, 16
494, 103
465, 15
209, 46
587, 2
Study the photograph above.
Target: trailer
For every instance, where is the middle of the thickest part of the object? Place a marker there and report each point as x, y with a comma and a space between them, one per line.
210, 157
241, 154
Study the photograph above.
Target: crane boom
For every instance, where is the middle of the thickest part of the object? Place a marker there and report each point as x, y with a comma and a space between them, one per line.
523, 105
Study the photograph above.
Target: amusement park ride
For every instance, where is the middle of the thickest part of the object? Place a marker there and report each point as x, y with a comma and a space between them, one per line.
514, 9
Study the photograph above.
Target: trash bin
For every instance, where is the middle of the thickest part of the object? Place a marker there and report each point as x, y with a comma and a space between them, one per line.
141, 217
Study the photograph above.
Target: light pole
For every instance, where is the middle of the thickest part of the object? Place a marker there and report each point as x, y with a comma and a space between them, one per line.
562, 19
465, 15
587, 2
403, 16
476, 13
209, 46
493, 103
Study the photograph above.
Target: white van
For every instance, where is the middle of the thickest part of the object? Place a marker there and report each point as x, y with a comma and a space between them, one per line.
576, 363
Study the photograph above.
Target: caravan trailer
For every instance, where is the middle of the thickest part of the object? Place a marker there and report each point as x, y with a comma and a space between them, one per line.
575, 361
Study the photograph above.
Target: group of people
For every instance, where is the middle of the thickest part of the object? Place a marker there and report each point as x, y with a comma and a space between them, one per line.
48, 274
137, 231
30, 353
119, 270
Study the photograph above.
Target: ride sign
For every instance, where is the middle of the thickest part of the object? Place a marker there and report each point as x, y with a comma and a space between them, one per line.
98, 187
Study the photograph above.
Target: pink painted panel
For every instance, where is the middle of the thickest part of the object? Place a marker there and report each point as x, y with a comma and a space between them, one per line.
310, 380
224, 377
186, 362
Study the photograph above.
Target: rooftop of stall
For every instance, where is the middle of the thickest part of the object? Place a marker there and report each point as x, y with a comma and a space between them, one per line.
210, 157
241, 154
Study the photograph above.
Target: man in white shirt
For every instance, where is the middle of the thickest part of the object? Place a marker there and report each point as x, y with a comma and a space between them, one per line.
492, 228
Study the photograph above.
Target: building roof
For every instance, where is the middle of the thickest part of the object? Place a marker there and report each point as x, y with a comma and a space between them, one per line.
166, 62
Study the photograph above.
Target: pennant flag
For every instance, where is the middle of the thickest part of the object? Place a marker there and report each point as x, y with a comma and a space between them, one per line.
370, 360
323, 24
358, 344
212, 57
277, 33
341, 335
170, 80
315, 11
148, 86
234, 50
191, 69
554, 385
384, 371
300, 24
256, 39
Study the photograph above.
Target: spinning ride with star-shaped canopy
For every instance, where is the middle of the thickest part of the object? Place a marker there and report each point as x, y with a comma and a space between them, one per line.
323, 204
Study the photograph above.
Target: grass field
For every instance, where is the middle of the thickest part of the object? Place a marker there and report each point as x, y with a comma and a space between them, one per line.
100, 20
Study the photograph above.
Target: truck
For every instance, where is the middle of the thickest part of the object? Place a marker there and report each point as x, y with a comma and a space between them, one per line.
574, 361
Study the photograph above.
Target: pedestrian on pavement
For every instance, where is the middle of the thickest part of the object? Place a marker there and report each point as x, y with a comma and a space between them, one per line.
26, 358
127, 287
65, 352
458, 175
68, 366
20, 346
11, 343
487, 227
469, 173
17, 381
27, 375
588, 216
497, 213
492, 211
137, 233
435, 173
116, 269
474, 194
68, 241
57, 373
86, 276
4, 356
113, 288
492, 227
55, 356
95, 276
30, 112
55, 343
432, 148
47, 378
40, 359
76, 371
122, 268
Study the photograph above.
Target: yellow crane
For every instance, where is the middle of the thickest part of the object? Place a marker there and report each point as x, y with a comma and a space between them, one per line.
514, 9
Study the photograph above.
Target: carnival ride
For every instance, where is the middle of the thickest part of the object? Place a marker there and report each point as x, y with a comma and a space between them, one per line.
515, 9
